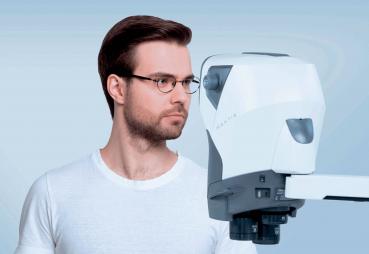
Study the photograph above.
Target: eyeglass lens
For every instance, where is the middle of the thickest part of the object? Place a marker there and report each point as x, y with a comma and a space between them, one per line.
167, 84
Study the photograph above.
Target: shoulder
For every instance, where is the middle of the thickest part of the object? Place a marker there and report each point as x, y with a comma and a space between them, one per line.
38, 189
72, 171
193, 166
193, 180
63, 179
193, 169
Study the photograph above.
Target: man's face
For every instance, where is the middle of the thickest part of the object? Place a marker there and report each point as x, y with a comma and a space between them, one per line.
148, 111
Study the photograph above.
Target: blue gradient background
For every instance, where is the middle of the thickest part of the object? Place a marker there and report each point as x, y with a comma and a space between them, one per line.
53, 109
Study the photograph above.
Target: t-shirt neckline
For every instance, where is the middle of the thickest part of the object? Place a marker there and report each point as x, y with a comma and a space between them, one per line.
148, 184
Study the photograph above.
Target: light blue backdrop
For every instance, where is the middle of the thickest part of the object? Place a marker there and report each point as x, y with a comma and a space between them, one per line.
53, 110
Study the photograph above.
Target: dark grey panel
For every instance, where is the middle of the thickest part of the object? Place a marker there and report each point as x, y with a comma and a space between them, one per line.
266, 54
302, 130
254, 204
215, 164
214, 82
215, 169
347, 198
202, 66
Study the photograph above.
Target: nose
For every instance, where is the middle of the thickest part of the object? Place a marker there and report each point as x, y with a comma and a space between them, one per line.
179, 94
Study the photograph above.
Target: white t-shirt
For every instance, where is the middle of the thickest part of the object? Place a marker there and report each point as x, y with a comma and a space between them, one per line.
86, 208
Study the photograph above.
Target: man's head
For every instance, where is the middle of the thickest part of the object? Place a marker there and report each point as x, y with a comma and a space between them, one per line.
150, 47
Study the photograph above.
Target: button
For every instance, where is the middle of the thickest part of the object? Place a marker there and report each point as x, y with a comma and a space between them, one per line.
262, 178
262, 193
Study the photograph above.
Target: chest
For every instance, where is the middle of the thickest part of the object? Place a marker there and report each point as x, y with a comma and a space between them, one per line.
147, 223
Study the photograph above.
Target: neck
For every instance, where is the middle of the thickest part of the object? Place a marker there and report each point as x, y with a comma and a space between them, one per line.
135, 157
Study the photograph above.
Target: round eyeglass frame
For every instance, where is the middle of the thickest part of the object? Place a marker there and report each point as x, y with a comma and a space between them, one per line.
174, 83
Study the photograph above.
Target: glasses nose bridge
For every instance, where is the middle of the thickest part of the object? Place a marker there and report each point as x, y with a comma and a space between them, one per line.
174, 83
184, 91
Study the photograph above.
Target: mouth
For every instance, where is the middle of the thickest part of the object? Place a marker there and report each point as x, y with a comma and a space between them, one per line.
177, 118
177, 115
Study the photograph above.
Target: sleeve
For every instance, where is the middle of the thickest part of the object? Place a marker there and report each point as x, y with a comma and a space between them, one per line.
226, 245
35, 228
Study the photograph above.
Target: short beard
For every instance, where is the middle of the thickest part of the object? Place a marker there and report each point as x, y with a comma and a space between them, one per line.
147, 127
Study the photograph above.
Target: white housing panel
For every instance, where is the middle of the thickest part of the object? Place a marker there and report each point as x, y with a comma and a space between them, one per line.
320, 186
249, 125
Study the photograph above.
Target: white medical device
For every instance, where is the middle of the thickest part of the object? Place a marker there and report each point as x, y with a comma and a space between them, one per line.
263, 114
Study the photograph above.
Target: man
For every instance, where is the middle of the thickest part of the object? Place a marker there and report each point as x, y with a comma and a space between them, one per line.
134, 195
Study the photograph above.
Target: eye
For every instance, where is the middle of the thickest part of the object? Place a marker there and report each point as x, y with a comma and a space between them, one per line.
187, 82
162, 81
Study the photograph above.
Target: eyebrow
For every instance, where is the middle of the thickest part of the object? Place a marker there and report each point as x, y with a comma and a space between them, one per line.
164, 74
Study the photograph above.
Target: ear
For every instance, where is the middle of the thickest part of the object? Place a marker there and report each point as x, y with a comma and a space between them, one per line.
115, 86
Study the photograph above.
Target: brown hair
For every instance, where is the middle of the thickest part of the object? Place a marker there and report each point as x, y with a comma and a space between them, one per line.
116, 54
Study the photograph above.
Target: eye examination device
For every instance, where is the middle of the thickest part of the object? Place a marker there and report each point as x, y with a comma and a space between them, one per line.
263, 114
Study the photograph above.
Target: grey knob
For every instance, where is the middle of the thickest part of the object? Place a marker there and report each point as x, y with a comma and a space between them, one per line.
211, 82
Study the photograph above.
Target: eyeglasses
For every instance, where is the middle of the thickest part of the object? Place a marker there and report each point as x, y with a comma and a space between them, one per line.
167, 84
